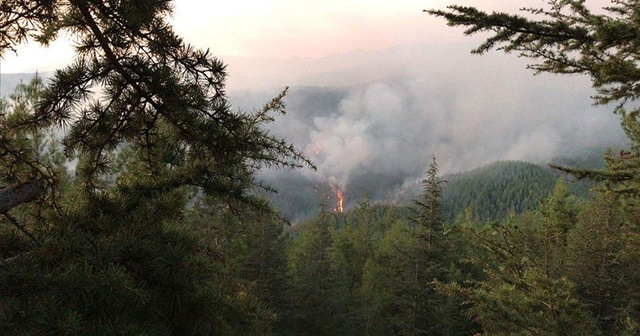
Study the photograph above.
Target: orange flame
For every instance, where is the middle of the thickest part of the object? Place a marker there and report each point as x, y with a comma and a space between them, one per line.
340, 197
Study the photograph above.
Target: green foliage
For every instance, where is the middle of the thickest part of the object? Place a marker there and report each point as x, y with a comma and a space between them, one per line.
116, 248
567, 38
158, 231
495, 191
314, 303
97, 273
428, 206
534, 305
600, 258
392, 277
371, 271
27, 153
525, 291
163, 98
591, 264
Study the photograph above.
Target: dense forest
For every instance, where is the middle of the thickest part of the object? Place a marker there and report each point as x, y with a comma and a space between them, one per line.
495, 191
140, 213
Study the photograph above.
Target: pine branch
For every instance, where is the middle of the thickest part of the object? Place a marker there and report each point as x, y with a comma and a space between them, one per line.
597, 175
13, 196
13, 259
21, 227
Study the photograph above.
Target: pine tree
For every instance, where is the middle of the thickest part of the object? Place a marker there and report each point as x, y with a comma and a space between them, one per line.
161, 97
23, 165
568, 37
431, 309
429, 216
114, 253
397, 289
558, 218
389, 283
314, 306
518, 294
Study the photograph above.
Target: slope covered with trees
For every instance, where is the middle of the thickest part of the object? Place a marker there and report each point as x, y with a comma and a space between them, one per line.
542, 282
494, 191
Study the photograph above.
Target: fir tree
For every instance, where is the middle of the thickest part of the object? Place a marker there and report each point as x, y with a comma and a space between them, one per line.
429, 214
600, 258
314, 306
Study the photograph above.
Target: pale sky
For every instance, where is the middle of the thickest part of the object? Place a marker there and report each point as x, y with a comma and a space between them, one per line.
287, 28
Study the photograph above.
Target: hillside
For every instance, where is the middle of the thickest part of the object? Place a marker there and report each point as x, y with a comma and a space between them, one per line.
493, 191
490, 192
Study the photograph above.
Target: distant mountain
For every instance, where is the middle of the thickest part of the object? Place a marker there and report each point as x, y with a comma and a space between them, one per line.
586, 159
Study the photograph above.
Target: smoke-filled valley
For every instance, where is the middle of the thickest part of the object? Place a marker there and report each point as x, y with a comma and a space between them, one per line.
371, 121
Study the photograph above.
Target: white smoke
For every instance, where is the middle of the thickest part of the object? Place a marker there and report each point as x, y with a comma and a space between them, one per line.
372, 127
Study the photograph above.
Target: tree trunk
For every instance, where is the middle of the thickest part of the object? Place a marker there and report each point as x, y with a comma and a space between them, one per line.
17, 194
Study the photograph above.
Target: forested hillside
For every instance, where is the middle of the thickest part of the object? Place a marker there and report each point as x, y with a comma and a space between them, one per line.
381, 270
144, 212
489, 193
495, 191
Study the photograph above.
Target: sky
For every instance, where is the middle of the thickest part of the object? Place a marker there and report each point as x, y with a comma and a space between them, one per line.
286, 28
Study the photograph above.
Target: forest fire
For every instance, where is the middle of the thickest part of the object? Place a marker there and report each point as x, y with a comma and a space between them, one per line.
339, 197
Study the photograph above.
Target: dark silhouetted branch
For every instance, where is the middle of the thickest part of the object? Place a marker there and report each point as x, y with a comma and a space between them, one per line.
15, 195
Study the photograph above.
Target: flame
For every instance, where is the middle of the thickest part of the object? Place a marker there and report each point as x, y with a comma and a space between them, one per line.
340, 198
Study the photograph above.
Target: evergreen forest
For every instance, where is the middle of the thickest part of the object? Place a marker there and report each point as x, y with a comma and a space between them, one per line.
130, 203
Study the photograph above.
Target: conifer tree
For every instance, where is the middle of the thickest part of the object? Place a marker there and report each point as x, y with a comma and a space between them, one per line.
23, 149
558, 218
518, 294
569, 37
430, 254
146, 116
156, 90
314, 307
389, 283
602, 263
429, 215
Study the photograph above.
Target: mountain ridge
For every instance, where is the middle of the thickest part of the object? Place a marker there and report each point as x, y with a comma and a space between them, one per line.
490, 192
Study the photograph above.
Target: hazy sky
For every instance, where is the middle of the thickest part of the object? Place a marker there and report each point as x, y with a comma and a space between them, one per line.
288, 28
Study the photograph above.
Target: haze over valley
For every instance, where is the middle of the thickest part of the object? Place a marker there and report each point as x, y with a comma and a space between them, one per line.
371, 120
376, 90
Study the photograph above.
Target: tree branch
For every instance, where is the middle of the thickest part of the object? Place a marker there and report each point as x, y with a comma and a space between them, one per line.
15, 195
21, 227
